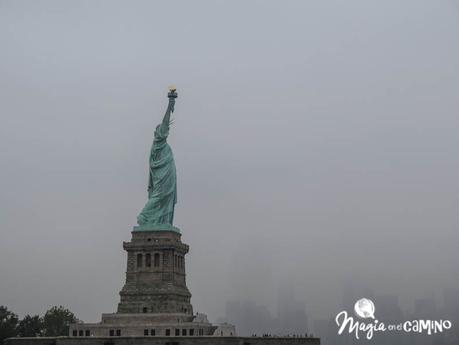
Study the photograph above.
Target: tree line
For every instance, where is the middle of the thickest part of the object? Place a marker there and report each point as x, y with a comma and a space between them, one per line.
55, 322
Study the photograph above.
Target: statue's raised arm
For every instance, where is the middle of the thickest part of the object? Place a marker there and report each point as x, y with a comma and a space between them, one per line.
158, 212
162, 130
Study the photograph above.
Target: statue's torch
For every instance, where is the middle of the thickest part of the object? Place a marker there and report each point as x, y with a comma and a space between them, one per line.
172, 92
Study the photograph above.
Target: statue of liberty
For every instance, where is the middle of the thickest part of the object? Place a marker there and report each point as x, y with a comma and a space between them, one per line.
158, 213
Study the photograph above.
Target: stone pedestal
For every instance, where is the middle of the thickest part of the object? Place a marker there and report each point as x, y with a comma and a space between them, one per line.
155, 300
155, 275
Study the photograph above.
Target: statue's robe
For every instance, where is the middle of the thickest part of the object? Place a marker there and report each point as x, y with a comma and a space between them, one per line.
162, 185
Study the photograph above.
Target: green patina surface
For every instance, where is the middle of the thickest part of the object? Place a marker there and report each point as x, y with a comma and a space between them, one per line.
158, 213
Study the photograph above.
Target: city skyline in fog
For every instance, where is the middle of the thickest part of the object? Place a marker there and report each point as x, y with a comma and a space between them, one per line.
315, 143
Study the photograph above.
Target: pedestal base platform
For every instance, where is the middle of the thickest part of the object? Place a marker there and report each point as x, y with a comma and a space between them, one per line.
163, 341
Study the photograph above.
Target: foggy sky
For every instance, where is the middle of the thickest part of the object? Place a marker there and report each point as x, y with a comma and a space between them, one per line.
315, 142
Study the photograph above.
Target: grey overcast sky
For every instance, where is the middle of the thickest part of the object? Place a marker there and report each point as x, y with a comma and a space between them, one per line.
315, 142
